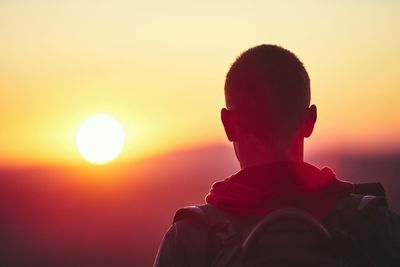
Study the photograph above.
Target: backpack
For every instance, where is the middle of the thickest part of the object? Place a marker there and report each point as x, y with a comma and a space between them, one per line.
287, 237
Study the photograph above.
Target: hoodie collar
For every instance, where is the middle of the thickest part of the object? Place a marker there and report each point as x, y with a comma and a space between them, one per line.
261, 189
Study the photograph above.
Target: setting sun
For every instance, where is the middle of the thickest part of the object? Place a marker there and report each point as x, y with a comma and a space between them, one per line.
100, 139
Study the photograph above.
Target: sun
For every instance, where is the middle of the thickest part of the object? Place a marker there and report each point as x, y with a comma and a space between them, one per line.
100, 138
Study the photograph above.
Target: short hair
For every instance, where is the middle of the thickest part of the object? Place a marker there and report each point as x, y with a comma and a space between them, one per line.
269, 90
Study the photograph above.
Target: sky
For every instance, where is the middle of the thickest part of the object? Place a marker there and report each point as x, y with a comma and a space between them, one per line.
159, 67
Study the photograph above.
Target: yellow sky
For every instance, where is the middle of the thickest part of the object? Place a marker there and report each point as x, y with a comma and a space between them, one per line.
159, 67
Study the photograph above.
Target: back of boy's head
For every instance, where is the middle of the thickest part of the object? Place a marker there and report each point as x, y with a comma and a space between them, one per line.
268, 90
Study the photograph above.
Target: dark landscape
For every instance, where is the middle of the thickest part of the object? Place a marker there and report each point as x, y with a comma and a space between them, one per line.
104, 216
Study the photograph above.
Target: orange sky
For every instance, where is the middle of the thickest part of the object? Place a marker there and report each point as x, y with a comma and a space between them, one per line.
159, 68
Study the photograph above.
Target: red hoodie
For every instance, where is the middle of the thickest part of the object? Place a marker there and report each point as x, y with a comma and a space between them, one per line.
261, 189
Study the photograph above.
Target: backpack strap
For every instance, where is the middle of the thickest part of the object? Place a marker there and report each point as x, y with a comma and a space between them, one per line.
350, 210
193, 212
205, 214
347, 215
221, 232
373, 189
219, 222
223, 223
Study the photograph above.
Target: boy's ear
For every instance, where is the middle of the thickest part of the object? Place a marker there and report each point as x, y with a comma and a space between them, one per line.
309, 123
229, 124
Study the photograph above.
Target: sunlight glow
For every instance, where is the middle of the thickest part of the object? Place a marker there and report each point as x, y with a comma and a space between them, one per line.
100, 139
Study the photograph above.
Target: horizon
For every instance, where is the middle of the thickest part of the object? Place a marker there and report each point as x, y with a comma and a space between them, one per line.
357, 151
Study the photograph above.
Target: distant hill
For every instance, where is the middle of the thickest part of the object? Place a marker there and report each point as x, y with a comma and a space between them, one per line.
116, 217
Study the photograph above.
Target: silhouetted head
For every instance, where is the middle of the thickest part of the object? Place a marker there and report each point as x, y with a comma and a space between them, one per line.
268, 113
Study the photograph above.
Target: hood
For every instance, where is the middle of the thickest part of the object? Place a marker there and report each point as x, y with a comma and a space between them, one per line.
259, 190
